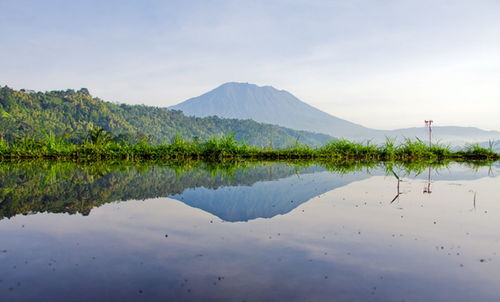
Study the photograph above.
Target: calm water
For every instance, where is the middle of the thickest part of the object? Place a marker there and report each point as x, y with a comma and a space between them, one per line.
277, 232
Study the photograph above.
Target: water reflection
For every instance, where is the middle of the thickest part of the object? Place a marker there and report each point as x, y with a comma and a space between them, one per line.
266, 199
427, 188
233, 191
160, 232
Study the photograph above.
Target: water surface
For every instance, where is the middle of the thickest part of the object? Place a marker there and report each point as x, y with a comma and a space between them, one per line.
248, 232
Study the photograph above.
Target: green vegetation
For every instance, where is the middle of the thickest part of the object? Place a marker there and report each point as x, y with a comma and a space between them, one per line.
102, 145
73, 124
72, 114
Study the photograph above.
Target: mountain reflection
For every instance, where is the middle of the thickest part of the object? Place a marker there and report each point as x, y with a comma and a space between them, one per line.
232, 191
265, 198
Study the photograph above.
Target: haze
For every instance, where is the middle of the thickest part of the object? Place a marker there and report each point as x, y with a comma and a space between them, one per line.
382, 64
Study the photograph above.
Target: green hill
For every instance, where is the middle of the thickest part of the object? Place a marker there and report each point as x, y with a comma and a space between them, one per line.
72, 113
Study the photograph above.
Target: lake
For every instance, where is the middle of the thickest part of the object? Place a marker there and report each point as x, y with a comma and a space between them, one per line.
259, 231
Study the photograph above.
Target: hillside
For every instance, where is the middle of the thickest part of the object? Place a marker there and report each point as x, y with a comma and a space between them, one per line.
269, 105
73, 113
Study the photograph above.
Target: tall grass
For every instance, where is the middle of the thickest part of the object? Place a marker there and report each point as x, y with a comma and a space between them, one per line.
475, 151
101, 145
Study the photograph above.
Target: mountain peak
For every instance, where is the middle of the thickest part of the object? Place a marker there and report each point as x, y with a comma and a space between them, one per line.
244, 85
266, 104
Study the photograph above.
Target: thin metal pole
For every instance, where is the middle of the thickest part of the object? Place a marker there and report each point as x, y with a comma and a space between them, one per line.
430, 133
428, 123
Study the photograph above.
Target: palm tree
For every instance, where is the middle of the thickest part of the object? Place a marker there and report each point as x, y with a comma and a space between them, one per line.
99, 136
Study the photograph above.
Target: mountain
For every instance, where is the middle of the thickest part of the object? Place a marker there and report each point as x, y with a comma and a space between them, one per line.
72, 113
269, 105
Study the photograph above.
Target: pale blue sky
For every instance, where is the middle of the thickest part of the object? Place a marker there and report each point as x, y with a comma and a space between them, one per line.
383, 64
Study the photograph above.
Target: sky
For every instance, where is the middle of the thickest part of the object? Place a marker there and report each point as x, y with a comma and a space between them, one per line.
382, 64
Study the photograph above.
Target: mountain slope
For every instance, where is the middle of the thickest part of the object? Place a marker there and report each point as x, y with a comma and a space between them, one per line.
269, 105
74, 112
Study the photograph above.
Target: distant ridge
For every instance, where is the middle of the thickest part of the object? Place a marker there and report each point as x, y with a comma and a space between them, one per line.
267, 104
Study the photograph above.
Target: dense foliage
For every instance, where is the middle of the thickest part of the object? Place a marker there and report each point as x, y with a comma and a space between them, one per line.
71, 114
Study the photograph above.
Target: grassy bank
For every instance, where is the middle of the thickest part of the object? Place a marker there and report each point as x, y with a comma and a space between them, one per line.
100, 145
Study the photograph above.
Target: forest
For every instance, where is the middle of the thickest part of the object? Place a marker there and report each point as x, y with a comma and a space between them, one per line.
70, 114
